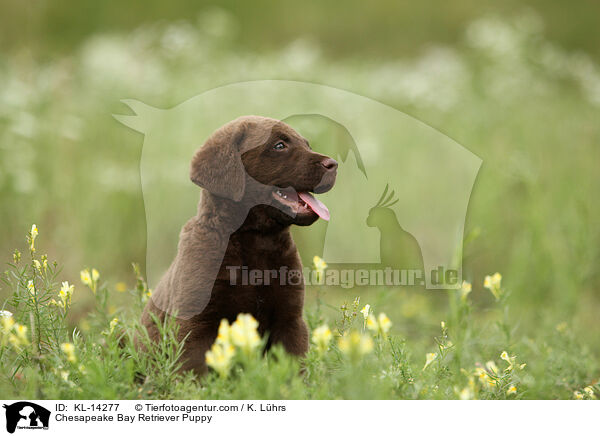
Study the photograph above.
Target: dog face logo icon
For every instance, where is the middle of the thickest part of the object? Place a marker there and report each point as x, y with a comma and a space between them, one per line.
26, 415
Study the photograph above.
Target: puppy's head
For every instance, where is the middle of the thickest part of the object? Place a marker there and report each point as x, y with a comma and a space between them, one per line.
260, 160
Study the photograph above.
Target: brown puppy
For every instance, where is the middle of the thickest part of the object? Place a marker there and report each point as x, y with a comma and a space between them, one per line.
257, 174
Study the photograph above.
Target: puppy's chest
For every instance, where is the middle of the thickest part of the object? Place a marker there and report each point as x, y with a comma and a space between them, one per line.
263, 253
262, 278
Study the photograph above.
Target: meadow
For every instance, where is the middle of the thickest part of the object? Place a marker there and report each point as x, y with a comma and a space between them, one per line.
504, 89
358, 357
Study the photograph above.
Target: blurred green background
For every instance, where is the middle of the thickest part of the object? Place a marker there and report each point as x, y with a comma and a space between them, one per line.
517, 83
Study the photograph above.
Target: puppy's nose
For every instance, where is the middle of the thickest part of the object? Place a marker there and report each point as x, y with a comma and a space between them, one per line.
329, 164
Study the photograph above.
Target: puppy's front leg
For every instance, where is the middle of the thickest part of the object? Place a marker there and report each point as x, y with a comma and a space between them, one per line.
292, 334
194, 354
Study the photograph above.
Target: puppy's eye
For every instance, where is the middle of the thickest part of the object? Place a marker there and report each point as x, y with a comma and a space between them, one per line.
279, 146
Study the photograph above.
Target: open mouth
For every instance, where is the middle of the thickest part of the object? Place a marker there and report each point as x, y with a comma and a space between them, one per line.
301, 202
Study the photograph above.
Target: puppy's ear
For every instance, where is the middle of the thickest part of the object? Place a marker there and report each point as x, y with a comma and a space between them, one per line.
217, 166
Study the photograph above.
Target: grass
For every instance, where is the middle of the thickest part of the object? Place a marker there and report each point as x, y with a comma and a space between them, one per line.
359, 357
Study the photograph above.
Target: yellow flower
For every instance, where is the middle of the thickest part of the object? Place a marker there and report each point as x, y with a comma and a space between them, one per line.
244, 333
319, 266
492, 281
493, 284
113, 324
16, 339
321, 337
32, 235
31, 289
509, 359
355, 344
366, 345
384, 323
7, 321
465, 290
20, 338
37, 265
17, 256
429, 358
491, 366
447, 345
86, 279
380, 325
8, 324
21, 332
511, 390
471, 381
319, 263
484, 378
224, 335
366, 311
146, 295
69, 350
372, 323
121, 287
590, 392
466, 394
219, 358
578, 395
65, 293
90, 279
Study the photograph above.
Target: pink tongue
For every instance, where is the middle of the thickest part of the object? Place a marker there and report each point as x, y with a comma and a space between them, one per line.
315, 204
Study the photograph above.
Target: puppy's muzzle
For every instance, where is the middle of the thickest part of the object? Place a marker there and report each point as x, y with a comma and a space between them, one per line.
329, 166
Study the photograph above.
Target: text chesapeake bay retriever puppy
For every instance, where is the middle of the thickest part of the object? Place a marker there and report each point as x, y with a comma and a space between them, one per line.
257, 174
